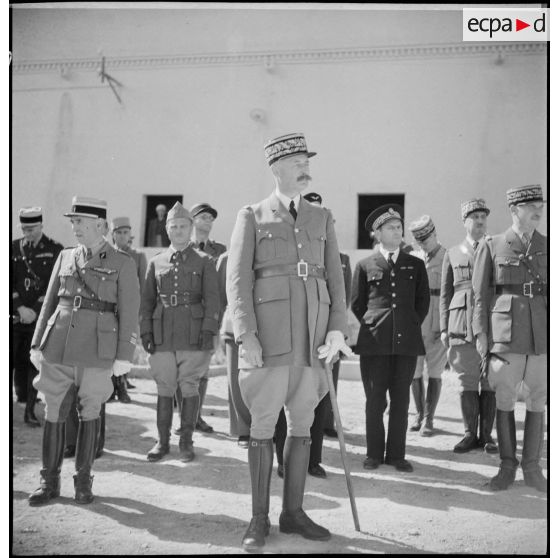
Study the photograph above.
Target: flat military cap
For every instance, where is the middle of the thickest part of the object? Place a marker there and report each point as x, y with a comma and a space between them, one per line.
312, 197
30, 215
195, 210
422, 228
382, 215
120, 223
525, 194
178, 211
87, 207
476, 204
285, 146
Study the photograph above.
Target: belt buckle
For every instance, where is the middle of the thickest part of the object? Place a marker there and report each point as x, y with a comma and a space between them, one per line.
528, 291
173, 300
302, 269
77, 301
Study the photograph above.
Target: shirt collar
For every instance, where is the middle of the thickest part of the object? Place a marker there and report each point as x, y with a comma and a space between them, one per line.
520, 234
386, 253
96, 248
286, 201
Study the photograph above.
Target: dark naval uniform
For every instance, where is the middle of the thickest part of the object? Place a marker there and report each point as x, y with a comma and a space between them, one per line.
31, 269
180, 304
391, 305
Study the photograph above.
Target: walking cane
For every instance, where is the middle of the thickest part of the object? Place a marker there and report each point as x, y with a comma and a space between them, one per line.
333, 398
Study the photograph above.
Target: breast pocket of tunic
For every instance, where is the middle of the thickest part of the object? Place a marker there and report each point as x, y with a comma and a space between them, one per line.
507, 269
273, 315
194, 281
462, 273
457, 322
271, 243
317, 242
107, 335
501, 319
165, 281
107, 287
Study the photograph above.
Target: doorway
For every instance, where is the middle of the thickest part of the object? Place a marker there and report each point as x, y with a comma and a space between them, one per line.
151, 202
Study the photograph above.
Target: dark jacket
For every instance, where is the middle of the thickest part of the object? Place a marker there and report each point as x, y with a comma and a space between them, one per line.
390, 306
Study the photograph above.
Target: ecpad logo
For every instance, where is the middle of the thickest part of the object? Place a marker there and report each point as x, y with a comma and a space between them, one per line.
511, 24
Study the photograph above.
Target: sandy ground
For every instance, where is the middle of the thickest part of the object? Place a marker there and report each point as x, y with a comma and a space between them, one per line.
204, 507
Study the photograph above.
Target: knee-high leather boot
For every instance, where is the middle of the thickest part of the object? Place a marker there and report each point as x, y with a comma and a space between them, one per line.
533, 438
188, 416
432, 397
164, 421
29, 416
201, 425
417, 389
121, 391
100, 433
53, 455
260, 462
293, 519
85, 455
470, 410
505, 429
487, 414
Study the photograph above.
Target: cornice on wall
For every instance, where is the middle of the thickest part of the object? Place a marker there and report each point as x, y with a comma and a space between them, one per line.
269, 59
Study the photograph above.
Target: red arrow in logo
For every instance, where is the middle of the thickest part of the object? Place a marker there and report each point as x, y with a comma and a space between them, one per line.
519, 25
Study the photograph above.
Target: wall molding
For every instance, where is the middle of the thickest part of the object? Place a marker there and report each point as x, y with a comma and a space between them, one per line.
269, 59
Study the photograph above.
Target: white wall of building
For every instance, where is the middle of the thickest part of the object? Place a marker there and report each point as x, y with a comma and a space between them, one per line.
429, 116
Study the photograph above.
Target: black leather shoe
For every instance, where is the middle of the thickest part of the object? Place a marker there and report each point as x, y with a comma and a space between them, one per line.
371, 463
536, 480
317, 471
70, 451
331, 432
280, 471
202, 426
468, 443
258, 529
243, 441
503, 480
401, 465
298, 522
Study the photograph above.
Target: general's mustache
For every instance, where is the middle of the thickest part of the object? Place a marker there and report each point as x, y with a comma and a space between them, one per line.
304, 177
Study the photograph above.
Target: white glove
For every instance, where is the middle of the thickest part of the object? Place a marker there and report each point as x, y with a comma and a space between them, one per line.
334, 342
120, 367
36, 358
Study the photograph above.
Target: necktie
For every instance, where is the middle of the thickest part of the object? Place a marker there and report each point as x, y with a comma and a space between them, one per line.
390, 261
526, 240
475, 245
88, 254
201, 245
292, 210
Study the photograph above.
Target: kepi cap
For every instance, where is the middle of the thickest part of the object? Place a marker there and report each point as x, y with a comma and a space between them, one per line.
178, 211
525, 194
87, 207
285, 146
476, 204
195, 210
422, 228
30, 215
120, 223
382, 215
313, 197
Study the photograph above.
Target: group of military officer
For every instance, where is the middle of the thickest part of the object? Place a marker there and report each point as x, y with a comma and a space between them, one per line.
483, 300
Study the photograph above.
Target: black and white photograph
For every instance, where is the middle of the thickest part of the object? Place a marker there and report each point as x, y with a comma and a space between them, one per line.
278, 278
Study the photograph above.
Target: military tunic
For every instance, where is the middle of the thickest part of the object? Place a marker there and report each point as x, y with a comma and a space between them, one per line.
511, 290
88, 320
456, 315
180, 300
432, 364
140, 260
28, 289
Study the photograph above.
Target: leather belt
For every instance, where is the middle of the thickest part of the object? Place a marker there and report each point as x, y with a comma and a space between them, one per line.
81, 303
465, 286
301, 269
183, 299
435, 292
530, 289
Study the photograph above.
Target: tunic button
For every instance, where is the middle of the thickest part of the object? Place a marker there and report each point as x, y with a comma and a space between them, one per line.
398, 335
270, 235
300, 245
297, 230
259, 299
176, 284
102, 278
393, 294
530, 257
394, 305
392, 273
393, 284
79, 290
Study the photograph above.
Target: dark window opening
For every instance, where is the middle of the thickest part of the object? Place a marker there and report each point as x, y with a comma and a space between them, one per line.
368, 203
151, 202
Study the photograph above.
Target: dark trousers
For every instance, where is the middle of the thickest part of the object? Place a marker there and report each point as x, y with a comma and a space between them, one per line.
316, 433
23, 368
329, 421
381, 374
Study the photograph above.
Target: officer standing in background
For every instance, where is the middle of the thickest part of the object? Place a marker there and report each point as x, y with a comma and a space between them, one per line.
85, 332
32, 259
156, 231
204, 215
286, 316
390, 298
432, 364
179, 317
510, 326
456, 314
